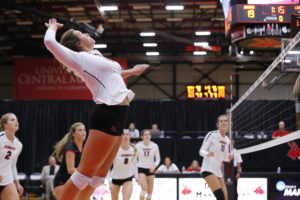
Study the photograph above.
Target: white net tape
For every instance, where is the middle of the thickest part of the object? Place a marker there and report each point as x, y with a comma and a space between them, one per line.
284, 139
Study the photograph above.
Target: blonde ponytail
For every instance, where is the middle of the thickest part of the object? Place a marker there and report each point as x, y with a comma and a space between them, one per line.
59, 146
135, 151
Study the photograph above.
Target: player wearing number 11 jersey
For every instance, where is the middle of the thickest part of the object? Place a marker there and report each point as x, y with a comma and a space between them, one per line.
10, 149
215, 150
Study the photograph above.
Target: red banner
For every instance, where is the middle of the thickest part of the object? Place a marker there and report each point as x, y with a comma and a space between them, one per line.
45, 79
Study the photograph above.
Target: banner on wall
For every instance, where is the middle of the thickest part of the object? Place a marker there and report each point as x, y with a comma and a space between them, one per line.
194, 189
45, 79
252, 189
284, 188
164, 188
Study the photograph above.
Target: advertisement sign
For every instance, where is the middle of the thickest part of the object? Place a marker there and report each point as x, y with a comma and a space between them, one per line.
45, 79
238, 34
194, 189
164, 188
284, 189
252, 189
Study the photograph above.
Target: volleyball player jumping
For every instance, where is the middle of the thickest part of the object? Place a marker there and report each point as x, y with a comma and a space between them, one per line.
104, 78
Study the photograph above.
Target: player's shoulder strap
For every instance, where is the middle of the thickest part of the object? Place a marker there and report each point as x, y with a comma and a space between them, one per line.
209, 134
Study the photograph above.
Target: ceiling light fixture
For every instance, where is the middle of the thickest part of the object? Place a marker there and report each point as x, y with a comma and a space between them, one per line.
201, 44
152, 53
108, 8
201, 53
202, 33
150, 44
174, 7
147, 34
100, 46
293, 52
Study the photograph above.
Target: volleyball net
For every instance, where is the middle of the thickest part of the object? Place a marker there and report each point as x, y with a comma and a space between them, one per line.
270, 100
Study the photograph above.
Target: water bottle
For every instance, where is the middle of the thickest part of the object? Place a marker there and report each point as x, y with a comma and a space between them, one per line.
278, 170
182, 169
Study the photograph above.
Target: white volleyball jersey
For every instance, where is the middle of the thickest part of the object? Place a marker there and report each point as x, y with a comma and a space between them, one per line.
101, 75
148, 156
9, 152
219, 145
124, 164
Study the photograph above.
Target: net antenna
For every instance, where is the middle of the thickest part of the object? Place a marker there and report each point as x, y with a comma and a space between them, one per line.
269, 100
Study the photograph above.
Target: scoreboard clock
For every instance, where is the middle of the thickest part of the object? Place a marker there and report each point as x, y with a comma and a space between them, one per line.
245, 13
206, 91
260, 26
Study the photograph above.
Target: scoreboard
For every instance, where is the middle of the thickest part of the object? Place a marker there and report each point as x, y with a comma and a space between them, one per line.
242, 13
259, 26
206, 91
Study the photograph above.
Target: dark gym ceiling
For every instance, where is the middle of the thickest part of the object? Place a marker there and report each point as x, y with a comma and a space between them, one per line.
22, 29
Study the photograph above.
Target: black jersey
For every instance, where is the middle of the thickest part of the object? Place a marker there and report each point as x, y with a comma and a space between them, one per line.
62, 175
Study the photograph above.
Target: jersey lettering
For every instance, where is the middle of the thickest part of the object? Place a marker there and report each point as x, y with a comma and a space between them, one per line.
222, 148
7, 157
126, 161
146, 153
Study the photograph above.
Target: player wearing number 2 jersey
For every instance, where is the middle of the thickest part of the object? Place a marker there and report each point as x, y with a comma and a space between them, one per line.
148, 160
10, 149
124, 169
215, 150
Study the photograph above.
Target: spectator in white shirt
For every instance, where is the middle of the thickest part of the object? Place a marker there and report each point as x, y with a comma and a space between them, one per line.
134, 133
168, 167
48, 174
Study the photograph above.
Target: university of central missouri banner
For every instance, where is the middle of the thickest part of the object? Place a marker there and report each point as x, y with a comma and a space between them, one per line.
45, 79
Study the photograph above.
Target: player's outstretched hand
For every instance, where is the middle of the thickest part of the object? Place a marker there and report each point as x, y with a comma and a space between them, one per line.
140, 68
52, 23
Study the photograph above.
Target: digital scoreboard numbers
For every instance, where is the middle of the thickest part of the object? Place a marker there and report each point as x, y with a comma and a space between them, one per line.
242, 13
206, 91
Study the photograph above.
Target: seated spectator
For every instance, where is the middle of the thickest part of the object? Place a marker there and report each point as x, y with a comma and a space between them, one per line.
168, 167
47, 176
134, 133
281, 131
193, 168
155, 132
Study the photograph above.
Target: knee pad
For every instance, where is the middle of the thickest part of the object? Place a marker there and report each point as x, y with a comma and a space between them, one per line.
142, 194
219, 194
149, 196
96, 181
80, 180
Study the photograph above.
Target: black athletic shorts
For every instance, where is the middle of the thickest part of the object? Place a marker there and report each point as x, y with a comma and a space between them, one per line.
2, 187
109, 119
121, 181
145, 171
205, 174
60, 179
